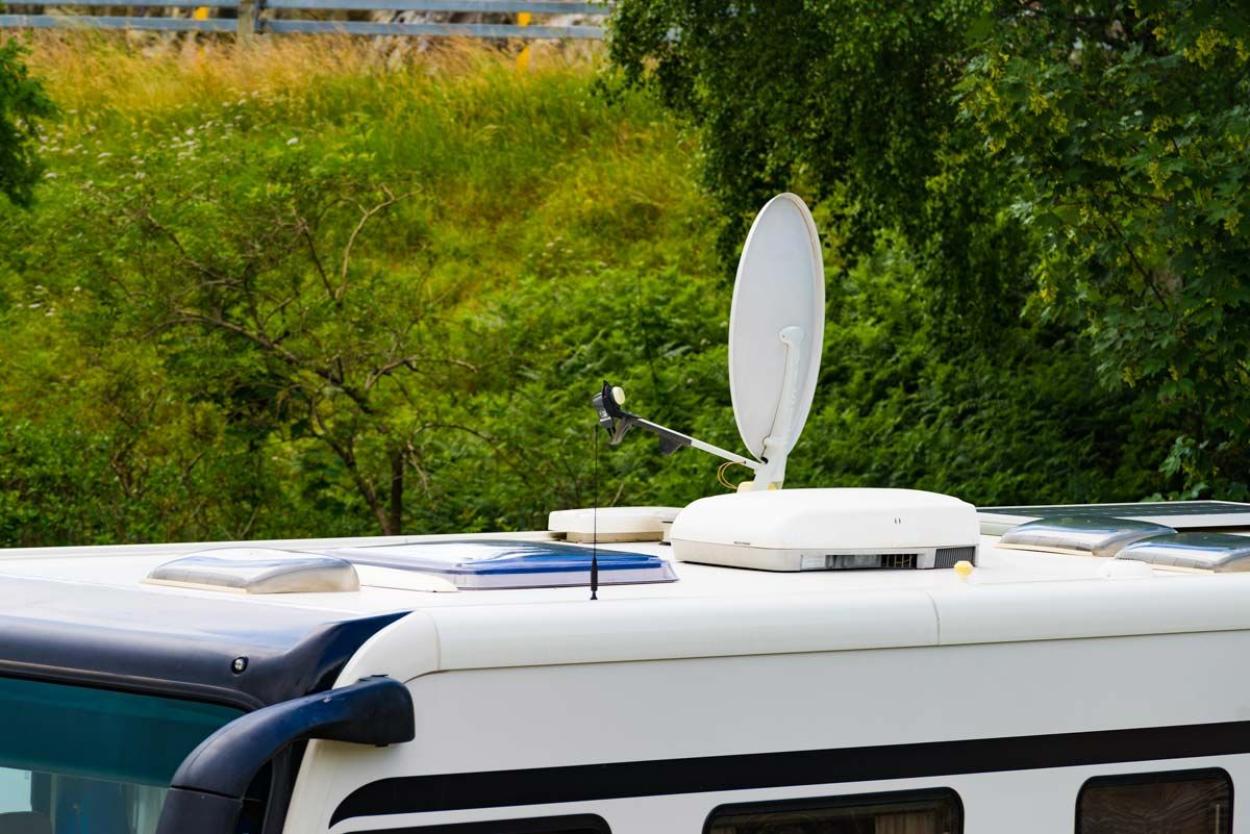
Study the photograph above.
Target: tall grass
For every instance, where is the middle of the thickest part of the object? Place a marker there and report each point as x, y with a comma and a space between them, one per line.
94, 71
508, 163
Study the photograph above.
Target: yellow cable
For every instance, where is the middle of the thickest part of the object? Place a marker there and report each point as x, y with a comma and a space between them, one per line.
720, 475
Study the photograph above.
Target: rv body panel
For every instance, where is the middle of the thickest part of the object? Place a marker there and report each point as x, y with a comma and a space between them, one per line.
653, 744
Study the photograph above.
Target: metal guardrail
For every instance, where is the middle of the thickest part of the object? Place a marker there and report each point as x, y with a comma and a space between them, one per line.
249, 17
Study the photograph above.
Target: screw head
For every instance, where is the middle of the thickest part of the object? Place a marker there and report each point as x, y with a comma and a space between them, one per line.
238, 665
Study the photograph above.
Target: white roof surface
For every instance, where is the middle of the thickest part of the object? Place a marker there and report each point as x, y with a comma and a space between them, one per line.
711, 611
128, 565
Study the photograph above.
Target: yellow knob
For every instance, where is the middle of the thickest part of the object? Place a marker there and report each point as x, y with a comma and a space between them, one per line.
963, 569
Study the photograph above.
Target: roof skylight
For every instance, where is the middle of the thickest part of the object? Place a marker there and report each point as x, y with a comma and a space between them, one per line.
496, 563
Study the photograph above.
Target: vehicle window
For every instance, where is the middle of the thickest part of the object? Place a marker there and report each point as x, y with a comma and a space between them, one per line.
928, 812
76, 759
574, 824
1181, 802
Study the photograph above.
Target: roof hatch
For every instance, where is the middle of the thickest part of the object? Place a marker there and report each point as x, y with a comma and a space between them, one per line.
1215, 552
501, 563
1081, 535
258, 570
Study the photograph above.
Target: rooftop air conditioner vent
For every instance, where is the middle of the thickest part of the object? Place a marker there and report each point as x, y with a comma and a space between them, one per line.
257, 570
862, 561
827, 529
1214, 552
1081, 535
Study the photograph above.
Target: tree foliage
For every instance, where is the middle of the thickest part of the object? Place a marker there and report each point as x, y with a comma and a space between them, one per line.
22, 103
1067, 178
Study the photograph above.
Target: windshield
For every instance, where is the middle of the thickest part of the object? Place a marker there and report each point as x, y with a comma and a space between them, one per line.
75, 760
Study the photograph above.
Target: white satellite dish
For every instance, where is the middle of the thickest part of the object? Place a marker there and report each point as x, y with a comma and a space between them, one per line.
776, 327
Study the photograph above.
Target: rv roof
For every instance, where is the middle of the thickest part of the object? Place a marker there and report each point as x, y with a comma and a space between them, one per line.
93, 604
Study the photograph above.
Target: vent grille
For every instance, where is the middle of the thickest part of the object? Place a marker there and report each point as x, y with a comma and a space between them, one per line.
940, 557
870, 561
946, 557
898, 560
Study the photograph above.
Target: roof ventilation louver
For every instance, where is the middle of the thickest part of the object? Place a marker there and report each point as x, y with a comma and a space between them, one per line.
496, 563
1081, 535
258, 570
948, 557
1215, 552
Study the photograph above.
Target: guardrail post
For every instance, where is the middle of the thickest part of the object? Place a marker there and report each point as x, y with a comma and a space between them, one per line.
247, 12
523, 57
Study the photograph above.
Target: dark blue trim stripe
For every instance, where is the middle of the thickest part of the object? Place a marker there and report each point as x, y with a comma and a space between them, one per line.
620, 780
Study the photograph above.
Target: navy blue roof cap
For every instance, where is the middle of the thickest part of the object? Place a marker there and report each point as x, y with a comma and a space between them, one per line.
174, 644
504, 563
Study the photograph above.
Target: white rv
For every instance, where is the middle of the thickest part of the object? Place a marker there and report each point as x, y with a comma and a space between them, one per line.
767, 661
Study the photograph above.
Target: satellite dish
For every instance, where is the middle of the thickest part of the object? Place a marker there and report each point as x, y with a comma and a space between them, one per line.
776, 327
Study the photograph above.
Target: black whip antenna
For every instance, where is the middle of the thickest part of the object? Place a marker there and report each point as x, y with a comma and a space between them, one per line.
594, 523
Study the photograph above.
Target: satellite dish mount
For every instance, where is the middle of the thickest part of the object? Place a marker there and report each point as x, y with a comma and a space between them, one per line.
776, 328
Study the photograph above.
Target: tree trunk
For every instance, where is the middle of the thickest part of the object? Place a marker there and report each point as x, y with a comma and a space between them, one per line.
395, 512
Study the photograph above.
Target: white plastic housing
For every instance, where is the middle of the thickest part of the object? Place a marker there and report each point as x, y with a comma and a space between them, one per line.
614, 524
827, 529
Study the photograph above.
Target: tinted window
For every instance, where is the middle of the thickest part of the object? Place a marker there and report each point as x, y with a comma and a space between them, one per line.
1183, 802
76, 759
929, 812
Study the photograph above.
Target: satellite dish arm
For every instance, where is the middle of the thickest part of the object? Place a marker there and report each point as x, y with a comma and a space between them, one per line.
777, 444
617, 422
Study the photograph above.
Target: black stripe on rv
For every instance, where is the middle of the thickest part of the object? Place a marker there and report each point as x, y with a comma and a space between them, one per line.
622, 780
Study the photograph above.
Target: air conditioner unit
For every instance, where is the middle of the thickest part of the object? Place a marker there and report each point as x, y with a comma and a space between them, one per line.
827, 529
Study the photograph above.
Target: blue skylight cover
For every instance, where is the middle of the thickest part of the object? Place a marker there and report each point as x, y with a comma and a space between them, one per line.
506, 563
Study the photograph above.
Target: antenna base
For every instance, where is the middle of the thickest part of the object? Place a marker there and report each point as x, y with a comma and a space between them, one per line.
617, 422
